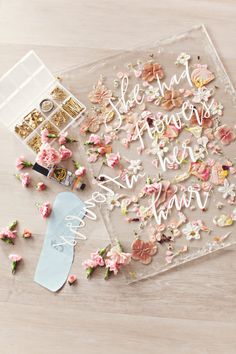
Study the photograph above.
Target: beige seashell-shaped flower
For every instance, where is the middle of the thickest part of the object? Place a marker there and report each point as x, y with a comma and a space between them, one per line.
201, 76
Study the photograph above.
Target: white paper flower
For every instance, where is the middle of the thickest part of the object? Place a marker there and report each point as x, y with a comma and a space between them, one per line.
217, 108
112, 201
192, 231
202, 94
135, 166
227, 189
159, 148
183, 58
201, 149
152, 93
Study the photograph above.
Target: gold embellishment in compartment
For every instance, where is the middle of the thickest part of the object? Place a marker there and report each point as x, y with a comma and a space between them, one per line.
60, 118
34, 119
34, 143
51, 129
72, 107
59, 94
23, 130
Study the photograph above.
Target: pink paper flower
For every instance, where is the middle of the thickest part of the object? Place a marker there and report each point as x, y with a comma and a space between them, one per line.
81, 171
8, 235
113, 159
225, 134
44, 136
22, 163
96, 260
27, 233
94, 139
48, 156
72, 279
40, 186
116, 258
151, 188
64, 139
25, 179
201, 170
65, 153
45, 209
15, 258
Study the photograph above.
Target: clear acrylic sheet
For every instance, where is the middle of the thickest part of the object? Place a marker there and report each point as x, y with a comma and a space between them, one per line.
172, 249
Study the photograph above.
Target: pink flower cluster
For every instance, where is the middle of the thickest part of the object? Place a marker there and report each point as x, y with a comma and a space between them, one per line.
65, 153
150, 188
113, 260
95, 260
7, 234
45, 210
113, 159
48, 156
116, 258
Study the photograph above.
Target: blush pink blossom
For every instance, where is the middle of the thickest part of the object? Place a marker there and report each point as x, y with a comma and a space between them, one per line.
63, 138
65, 153
113, 159
48, 156
6, 233
22, 163
94, 139
112, 266
25, 179
72, 279
81, 171
44, 136
97, 259
89, 263
225, 134
15, 257
151, 188
41, 186
45, 209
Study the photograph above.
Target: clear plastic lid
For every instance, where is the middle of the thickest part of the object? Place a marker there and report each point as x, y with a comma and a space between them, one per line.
21, 86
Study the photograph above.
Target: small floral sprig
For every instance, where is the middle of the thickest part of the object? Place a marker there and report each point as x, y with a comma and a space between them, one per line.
62, 137
80, 169
24, 178
72, 279
22, 163
27, 233
45, 209
116, 258
9, 233
112, 258
96, 260
15, 258
65, 139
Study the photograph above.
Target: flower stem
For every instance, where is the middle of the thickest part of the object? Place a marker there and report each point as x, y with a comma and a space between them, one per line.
12, 226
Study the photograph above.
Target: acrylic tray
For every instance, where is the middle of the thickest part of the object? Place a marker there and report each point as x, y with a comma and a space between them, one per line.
206, 230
